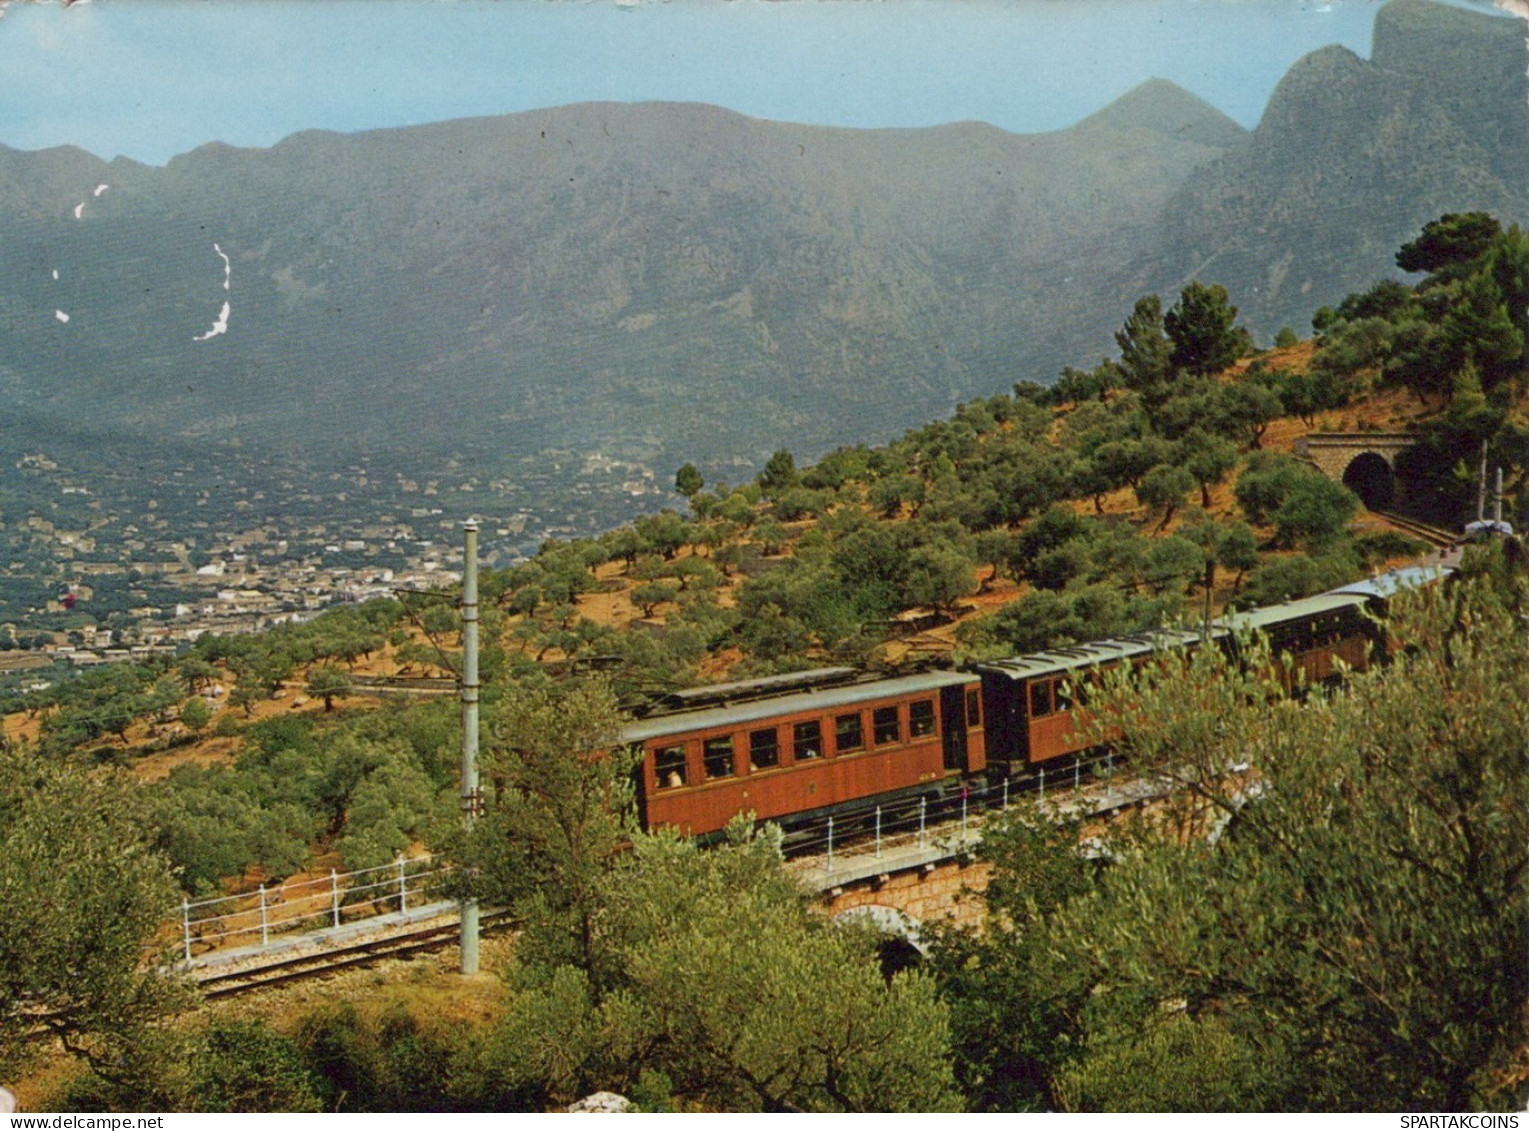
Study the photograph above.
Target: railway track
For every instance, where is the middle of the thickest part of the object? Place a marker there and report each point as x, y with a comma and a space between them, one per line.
318, 964
1435, 536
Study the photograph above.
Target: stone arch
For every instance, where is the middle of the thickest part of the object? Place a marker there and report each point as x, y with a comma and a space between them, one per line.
1369, 476
902, 946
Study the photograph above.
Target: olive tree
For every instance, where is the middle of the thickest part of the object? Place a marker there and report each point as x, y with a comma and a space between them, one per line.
718, 979
83, 896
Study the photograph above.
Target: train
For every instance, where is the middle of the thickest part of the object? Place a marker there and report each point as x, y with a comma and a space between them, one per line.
798, 748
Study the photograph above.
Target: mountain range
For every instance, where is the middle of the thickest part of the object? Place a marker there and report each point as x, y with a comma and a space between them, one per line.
669, 282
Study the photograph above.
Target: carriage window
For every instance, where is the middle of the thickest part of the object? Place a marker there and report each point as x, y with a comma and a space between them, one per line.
973, 709
717, 753
885, 726
847, 733
921, 718
1040, 698
806, 740
764, 749
669, 766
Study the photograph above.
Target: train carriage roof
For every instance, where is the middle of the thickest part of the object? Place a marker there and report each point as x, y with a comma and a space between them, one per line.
687, 722
1391, 582
1292, 611
720, 693
1059, 660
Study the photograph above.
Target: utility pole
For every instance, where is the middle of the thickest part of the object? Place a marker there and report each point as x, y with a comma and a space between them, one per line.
471, 798
1481, 486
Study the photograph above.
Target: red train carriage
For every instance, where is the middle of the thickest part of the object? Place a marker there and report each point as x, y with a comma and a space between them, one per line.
1032, 718
798, 747
1316, 633
809, 754
1029, 700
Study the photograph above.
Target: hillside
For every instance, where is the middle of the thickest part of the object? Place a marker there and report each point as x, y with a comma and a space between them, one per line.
754, 579
1352, 156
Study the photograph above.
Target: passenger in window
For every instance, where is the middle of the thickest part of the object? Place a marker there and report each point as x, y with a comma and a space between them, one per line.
806, 741
669, 767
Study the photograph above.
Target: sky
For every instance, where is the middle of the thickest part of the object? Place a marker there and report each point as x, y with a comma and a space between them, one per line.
149, 79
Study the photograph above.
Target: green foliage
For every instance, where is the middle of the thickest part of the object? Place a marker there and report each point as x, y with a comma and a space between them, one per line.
1231, 546
559, 806
688, 481
390, 808
1379, 547
1173, 563
1373, 888
1077, 386
663, 533
84, 894
328, 683
839, 467
1352, 940
796, 503
1174, 1062
1304, 394
939, 576
1291, 576
651, 594
1046, 619
1163, 488
376, 782
1011, 1018
715, 974
779, 474
1314, 513
1202, 329
99, 704
773, 536
1146, 354
1208, 458
195, 714
893, 492
1453, 240
1306, 508
245, 1066
1242, 411
213, 822
1470, 314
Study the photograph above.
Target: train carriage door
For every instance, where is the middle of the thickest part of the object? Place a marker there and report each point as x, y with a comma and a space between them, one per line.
953, 726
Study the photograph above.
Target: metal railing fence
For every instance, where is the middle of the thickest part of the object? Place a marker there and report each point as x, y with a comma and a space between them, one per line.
308, 905
910, 821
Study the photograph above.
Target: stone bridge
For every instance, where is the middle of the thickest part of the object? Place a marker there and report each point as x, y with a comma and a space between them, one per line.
1364, 462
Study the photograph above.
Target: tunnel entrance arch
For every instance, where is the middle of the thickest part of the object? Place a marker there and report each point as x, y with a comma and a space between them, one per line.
901, 947
1364, 462
1369, 476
